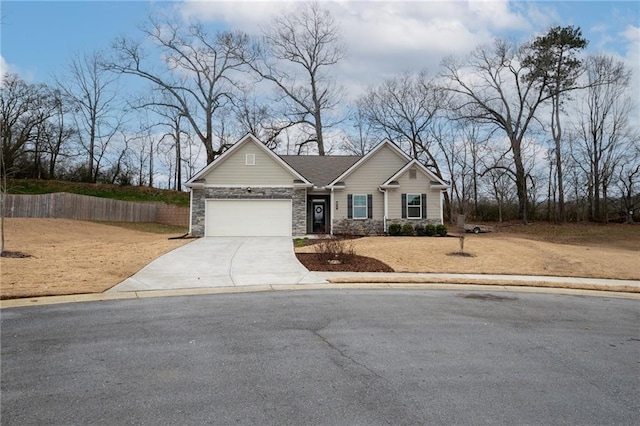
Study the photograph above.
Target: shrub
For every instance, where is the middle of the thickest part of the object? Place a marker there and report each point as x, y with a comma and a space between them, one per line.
335, 249
441, 230
430, 230
394, 229
420, 230
407, 229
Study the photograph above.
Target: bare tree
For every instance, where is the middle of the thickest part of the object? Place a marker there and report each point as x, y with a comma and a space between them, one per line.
467, 147
198, 74
57, 134
406, 109
604, 127
93, 95
24, 108
628, 183
491, 89
176, 134
258, 118
297, 52
364, 137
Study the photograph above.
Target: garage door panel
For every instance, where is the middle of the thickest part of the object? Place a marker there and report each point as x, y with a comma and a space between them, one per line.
228, 218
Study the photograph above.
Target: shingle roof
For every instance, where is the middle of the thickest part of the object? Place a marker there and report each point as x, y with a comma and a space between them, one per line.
320, 170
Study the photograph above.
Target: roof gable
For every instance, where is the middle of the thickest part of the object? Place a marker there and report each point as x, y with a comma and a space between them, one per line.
435, 179
385, 143
238, 146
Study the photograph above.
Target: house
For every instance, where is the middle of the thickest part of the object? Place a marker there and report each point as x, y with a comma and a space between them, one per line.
251, 191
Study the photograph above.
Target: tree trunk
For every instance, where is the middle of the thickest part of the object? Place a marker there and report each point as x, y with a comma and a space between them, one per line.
549, 186
90, 166
151, 163
178, 182
556, 131
317, 116
521, 181
320, 140
475, 184
596, 198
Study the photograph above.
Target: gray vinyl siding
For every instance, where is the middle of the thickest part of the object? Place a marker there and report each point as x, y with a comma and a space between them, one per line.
234, 172
419, 185
366, 179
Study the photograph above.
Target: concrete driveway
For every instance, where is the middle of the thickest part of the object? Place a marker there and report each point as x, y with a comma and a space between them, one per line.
222, 262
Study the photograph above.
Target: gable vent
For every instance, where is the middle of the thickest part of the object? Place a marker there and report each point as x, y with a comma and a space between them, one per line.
250, 160
412, 173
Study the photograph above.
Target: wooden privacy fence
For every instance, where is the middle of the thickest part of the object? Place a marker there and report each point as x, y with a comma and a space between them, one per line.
62, 205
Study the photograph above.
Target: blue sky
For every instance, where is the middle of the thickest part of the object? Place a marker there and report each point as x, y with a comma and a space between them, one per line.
38, 38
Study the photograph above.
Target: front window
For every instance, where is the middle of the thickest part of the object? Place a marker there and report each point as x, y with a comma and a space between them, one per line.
359, 206
414, 206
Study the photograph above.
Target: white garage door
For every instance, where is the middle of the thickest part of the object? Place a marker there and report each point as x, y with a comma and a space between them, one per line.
231, 218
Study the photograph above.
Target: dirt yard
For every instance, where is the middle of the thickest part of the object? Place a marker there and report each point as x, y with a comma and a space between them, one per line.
69, 257
591, 251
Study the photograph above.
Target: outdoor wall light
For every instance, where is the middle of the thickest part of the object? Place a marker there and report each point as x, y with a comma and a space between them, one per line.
248, 189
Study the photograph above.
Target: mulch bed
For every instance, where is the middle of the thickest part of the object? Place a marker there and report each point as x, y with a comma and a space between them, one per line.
356, 263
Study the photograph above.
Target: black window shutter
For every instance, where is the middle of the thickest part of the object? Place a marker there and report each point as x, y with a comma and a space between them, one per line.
423, 200
370, 206
350, 206
404, 206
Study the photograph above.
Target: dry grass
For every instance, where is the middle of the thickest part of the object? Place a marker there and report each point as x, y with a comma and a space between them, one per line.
70, 257
591, 251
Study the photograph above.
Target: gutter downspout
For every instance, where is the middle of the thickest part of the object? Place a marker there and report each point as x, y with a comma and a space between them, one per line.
441, 212
386, 209
190, 209
331, 213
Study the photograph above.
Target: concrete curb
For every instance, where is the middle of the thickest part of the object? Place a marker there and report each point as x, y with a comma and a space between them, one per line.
101, 297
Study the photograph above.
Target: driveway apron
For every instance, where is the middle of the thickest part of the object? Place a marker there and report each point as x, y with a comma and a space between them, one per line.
220, 262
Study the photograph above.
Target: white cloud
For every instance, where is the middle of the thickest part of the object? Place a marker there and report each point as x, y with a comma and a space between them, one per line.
632, 57
384, 37
4, 67
241, 14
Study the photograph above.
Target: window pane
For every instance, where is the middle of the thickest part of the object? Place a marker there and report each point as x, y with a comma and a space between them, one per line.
414, 212
414, 206
359, 206
360, 200
360, 212
413, 199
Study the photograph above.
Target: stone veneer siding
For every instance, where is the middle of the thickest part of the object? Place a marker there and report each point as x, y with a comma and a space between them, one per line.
358, 227
297, 196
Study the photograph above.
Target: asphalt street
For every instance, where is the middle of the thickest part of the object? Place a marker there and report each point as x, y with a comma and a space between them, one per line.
331, 357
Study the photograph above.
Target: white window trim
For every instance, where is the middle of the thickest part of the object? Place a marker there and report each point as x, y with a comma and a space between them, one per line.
353, 207
419, 206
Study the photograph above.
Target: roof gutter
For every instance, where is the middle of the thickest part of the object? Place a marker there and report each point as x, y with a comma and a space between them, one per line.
441, 187
197, 184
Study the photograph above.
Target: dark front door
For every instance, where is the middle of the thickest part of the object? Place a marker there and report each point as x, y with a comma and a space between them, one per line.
318, 214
